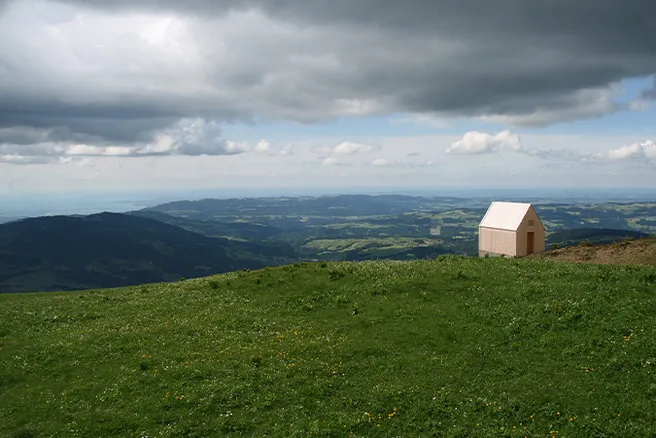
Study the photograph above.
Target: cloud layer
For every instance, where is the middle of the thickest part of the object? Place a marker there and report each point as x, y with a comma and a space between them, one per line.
118, 76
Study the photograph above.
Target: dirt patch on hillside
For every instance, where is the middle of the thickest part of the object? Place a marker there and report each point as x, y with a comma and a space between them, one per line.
629, 252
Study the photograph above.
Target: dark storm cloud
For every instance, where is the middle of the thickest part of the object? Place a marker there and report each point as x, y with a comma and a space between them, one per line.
611, 27
123, 120
60, 125
518, 62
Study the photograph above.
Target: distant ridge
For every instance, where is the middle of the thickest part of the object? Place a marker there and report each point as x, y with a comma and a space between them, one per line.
60, 253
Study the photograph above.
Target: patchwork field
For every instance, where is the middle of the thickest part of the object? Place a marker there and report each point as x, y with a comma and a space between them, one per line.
320, 227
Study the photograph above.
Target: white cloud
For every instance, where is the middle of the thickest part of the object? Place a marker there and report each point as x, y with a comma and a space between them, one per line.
645, 150
286, 150
352, 148
381, 162
475, 142
343, 150
230, 147
262, 147
330, 161
265, 147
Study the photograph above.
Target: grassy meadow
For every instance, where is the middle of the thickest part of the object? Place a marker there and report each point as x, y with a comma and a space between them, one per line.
451, 347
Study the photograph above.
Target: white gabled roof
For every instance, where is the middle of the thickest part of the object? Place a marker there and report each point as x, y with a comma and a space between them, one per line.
505, 215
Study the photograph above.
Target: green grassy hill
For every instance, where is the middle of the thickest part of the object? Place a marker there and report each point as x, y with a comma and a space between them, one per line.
450, 347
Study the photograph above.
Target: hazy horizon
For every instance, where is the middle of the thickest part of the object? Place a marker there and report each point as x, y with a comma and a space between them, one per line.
120, 202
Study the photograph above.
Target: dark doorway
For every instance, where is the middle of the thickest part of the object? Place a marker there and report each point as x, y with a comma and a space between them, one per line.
530, 242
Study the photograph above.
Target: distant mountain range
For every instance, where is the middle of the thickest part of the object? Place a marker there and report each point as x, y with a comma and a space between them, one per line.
336, 206
109, 250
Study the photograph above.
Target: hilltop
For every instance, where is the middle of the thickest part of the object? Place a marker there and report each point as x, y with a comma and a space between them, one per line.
448, 347
627, 252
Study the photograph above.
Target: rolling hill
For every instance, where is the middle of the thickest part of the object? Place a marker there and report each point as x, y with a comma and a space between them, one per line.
450, 347
109, 250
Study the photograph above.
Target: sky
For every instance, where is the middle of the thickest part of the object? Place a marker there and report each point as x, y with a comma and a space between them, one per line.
136, 95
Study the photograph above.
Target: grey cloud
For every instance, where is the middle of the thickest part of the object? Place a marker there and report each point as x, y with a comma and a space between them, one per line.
188, 137
540, 17
32, 128
640, 152
20, 135
102, 82
650, 93
558, 154
645, 99
22, 160
384, 162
